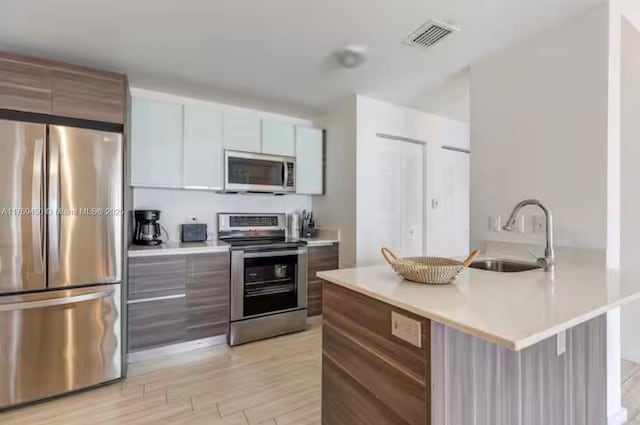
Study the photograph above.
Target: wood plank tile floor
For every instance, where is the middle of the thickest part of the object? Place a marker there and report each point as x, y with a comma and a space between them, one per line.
272, 382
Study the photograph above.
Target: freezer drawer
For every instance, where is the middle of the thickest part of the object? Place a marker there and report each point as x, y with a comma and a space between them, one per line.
58, 341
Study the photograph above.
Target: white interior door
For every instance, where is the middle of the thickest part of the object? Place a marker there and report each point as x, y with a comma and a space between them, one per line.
455, 204
391, 205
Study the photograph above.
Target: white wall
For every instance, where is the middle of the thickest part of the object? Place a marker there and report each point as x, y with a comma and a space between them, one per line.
177, 205
337, 208
539, 130
374, 117
349, 125
450, 99
630, 176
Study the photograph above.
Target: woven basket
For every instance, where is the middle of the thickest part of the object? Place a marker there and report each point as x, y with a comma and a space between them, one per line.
430, 270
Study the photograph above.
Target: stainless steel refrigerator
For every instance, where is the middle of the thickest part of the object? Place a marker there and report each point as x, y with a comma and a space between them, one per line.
61, 200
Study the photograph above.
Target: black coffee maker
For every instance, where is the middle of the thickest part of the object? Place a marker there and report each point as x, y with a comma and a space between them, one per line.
147, 230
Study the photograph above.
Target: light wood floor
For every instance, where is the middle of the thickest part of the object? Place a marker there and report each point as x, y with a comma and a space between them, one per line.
272, 382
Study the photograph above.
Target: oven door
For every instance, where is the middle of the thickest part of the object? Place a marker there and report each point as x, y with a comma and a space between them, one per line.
268, 282
249, 172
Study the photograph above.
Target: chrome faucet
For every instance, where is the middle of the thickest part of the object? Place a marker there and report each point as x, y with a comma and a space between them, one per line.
549, 259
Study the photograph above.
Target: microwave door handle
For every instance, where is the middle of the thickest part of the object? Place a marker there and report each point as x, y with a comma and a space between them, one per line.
286, 174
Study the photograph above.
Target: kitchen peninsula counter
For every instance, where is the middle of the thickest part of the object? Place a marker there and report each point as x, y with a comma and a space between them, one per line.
493, 348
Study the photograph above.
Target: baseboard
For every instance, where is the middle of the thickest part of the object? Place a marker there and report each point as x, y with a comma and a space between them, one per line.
182, 347
618, 418
314, 320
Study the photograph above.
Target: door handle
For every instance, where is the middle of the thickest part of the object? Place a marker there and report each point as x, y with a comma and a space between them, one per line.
52, 302
37, 202
274, 253
286, 174
53, 204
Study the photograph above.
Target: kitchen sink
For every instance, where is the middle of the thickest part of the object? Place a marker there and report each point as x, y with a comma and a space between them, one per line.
504, 266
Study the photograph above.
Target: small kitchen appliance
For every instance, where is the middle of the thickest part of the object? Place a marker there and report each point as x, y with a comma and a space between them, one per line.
193, 232
148, 230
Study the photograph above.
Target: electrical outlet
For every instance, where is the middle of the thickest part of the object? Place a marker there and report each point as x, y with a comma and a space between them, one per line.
520, 227
561, 343
406, 329
495, 224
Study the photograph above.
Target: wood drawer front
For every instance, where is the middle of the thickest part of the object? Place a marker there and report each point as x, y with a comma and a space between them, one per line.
345, 401
24, 87
314, 298
402, 393
368, 322
157, 277
156, 323
321, 258
210, 263
208, 295
88, 97
357, 339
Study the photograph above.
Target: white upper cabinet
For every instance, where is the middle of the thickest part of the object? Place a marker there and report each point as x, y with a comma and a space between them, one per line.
203, 147
242, 131
278, 137
156, 143
309, 160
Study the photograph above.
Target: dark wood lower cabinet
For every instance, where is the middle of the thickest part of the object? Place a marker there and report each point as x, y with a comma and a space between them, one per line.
207, 295
321, 258
156, 323
371, 377
196, 304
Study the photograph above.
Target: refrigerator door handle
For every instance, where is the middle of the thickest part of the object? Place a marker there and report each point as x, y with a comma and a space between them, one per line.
51, 302
37, 203
53, 209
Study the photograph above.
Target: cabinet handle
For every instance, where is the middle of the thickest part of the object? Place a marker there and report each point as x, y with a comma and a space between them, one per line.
166, 297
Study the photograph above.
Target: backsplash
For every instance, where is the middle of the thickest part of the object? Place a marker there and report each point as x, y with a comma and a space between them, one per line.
177, 205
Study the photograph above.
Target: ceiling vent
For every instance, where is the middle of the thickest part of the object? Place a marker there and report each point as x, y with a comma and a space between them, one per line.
429, 34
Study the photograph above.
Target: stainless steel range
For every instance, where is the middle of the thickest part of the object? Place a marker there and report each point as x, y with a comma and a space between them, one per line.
268, 277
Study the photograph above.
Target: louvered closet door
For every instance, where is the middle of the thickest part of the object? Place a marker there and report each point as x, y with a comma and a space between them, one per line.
390, 200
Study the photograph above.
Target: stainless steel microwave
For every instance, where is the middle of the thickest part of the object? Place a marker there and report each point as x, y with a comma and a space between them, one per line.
254, 172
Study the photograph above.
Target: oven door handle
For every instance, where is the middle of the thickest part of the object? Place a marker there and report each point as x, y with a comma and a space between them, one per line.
266, 254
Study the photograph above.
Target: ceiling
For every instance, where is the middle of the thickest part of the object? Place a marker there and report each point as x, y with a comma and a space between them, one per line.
276, 50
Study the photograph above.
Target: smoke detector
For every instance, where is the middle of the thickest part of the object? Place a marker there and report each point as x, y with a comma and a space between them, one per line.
351, 56
429, 34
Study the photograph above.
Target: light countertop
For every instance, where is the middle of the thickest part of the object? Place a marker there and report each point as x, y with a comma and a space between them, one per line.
213, 246
516, 310
178, 248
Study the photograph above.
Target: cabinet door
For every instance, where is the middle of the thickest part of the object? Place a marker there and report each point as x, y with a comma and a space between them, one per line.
203, 151
208, 295
156, 143
278, 138
242, 131
157, 301
309, 161
154, 277
87, 97
24, 87
156, 323
321, 258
